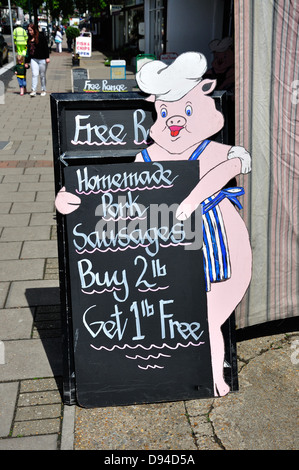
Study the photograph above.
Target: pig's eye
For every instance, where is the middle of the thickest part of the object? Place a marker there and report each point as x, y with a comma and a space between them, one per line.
188, 110
163, 112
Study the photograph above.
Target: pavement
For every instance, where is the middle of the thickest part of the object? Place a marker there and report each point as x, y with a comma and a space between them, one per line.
262, 415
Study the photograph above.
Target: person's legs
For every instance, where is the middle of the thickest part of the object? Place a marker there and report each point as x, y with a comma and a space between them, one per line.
42, 72
20, 81
35, 71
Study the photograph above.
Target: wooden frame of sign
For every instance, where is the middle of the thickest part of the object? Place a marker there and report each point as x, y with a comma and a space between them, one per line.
134, 317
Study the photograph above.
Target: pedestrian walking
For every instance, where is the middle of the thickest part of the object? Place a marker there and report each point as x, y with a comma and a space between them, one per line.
58, 40
20, 72
38, 56
20, 37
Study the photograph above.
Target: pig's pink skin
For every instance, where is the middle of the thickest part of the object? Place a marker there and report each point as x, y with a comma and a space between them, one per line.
215, 171
195, 113
66, 202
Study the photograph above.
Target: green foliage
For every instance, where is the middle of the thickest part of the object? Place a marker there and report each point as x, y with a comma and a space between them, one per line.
19, 3
66, 7
54, 8
95, 7
72, 32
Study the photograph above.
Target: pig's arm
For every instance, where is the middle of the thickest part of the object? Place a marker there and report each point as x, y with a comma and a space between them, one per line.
238, 161
66, 202
139, 158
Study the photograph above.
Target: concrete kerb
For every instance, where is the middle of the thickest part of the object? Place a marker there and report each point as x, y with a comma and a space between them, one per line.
68, 428
6, 67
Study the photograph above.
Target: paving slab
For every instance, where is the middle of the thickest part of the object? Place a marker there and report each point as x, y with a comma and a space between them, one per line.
39, 249
13, 171
8, 187
5, 207
18, 323
18, 270
42, 196
15, 220
31, 293
49, 442
263, 415
21, 359
44, 186
4, 287
31, 207
39, 426
33, 413
8, 397
27, 233
12, 178
29, 196
10, 250
159, 426
43, 219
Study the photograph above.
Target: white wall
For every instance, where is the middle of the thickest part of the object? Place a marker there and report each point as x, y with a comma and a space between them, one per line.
192, 24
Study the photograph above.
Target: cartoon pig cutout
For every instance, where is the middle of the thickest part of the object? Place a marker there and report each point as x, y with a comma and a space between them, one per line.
186, 117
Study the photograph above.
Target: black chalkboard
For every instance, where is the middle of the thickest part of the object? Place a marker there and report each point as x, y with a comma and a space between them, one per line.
78, 74
134, 116
103, 85
101, 125
137, 285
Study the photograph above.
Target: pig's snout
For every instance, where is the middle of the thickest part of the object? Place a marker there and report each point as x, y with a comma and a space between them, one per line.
175, 124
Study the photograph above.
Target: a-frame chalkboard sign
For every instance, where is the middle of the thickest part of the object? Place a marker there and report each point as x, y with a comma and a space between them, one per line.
132, 287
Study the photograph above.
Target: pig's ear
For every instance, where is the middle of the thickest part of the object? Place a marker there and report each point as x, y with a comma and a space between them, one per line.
151, 98
208, 86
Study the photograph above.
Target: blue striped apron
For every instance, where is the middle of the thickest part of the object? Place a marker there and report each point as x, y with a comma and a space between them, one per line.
215, 247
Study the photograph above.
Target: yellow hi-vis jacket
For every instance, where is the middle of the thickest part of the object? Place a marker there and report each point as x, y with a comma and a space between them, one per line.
20, 36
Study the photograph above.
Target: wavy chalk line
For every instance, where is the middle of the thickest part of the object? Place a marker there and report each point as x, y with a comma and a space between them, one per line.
100, 292
148, 357
153, 290
86, 142
151, 367
123, 218
128, 247
79, 142
128, 188
110, 249
164, 345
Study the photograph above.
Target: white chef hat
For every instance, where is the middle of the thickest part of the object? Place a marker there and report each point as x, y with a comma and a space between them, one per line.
172, 82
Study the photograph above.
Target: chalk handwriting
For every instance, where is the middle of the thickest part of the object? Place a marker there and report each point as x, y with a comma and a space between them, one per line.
114, 282
161, 178
125, 223
118, 322
104, 86
101, 134
152, 239
123, 208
